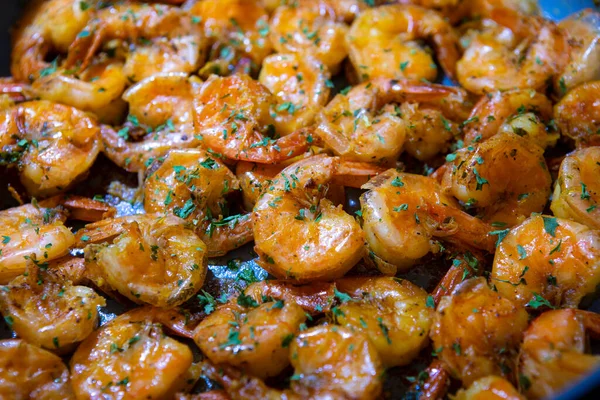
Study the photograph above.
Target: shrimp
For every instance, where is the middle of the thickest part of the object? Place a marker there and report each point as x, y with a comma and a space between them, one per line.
152, 260
160, 118
237, 31
553, 351
29, 372
577, 191
254, 178
577, 115
476, 332
501, 110
159, 38
299, 234
300, 85
382, 42
49, 312
363, 125
315, 298
404, 216
130, 358
251, 336
489, 388
233, 118
547, 262
53, 146
309, 28
536, 53
391, 311
583, 34
191, 184
482, 176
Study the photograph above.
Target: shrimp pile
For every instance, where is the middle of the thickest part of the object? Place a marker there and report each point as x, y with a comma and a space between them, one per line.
299, 199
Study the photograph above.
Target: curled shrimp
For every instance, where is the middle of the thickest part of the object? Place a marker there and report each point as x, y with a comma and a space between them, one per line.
51, 145
547, 262
405, 216
150, 259
300, 85
49, 312
489, 388
251, 336
314, 298
391, 311
233, 118
577, 191
476, 332
553, 351
160, 38
192, 185
482, 176
299, 234
27, 372
130, 358
310, 28
577, 114
383, 43
160, 119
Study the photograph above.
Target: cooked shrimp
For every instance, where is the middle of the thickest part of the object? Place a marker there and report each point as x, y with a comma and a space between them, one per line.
501, 110
536, 53
251, 336
577, 191
478, 332
309, 28
459, 10
51, 145
300, 85
233, 118
237, 31
547, 262
405, 215
130, 358
160, 119
28, 372
159, 38
192, 185
578, 115
583, 34
314, 298
383, 43
391, 311
49, 313
553, 351
482, 176
489, 388
151, 260
299, 234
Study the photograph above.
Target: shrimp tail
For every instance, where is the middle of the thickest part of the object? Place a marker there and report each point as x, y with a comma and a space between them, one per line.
436, 385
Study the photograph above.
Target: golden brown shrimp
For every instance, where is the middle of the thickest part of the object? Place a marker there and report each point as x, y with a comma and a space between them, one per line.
547, 262
383, 43
130, 358
392, 312
577, 191
309, 28
251, 336
28, 372
406, 215
476, 332
314, 298
192, 185
553, 351
152, 260
47, 311
299, 234
300, 84
159, 38
577, 114
459, 10
482, 176
233, 117
237, 31
51, 145
489, 388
